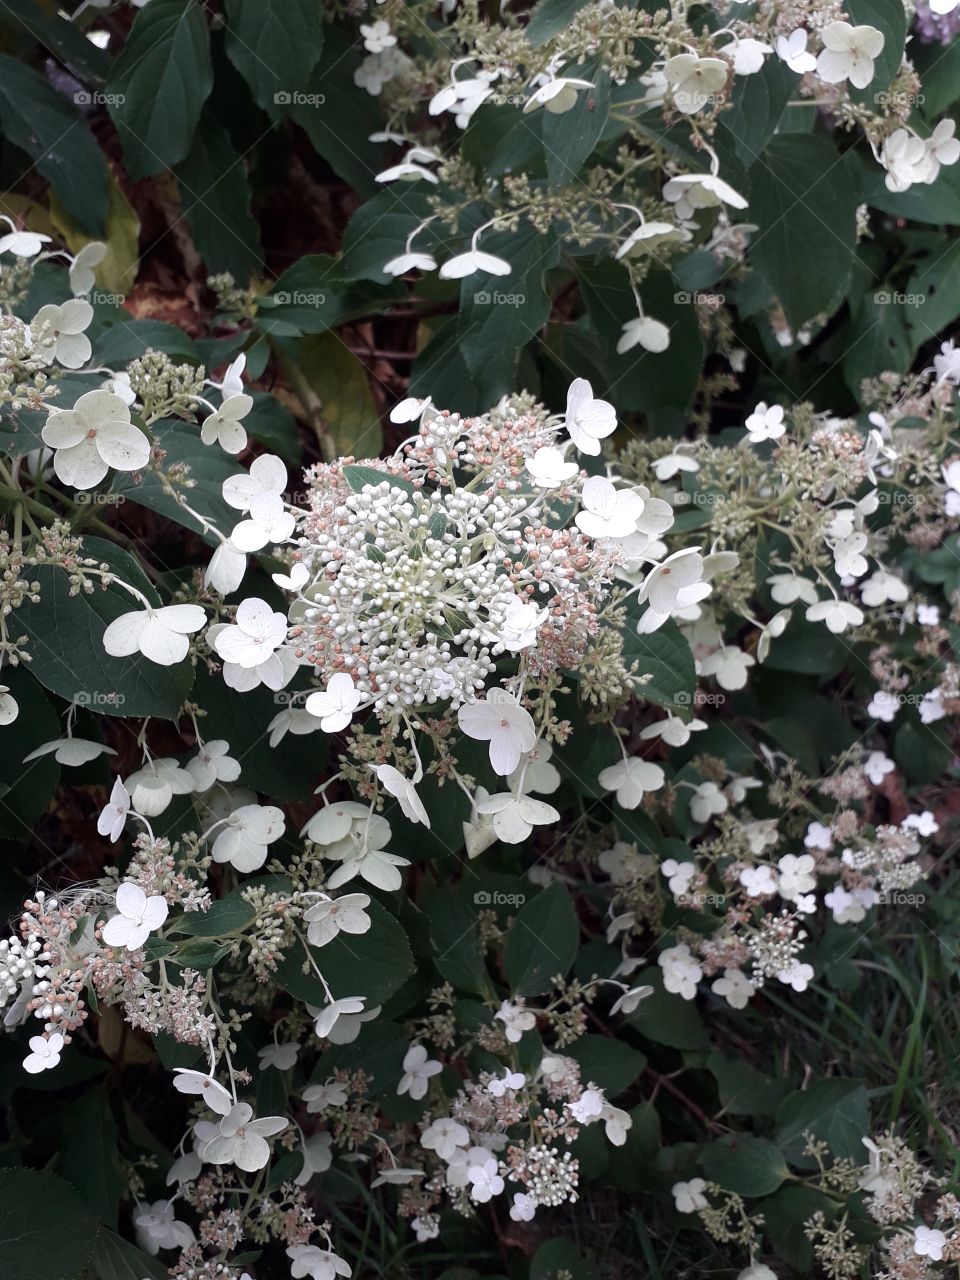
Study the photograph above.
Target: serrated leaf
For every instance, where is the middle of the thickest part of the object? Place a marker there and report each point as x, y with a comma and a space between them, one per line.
25, 789
372, 964
208, 468
159, 83
275, 48
568, 138
357, 476
833, 1110
666, 657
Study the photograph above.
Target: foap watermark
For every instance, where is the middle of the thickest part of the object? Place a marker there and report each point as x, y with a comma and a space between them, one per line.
94, 698
94, 98
890, 297
898, 99
484, 299
87, 498
299, 299
700, 900
702, 498
98, 297
286, 698
494, 898
698, 298
899, 898
701, 698
294, 98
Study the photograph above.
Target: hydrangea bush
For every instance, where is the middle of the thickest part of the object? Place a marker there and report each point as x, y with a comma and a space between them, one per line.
479, 640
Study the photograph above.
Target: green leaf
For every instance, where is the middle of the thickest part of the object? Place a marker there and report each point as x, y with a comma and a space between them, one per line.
458, 950
568, 138
665, 1018
499, 315
117, 272
25, 789
379, 229
116, 1259
335, 386
939, 70
284, 772
357, 476
208, 468
90, 1158
66, 641
501, 139
227, 916
215, 195
922, 751
549, 17
744, 1091
373, 964
333, 99
271, 423
643, 380
744, 1164
41, 122
937, 203
555, 1258
935, 288
311, 297
834, 1111
607, 1062
887, 16
127, 339
666, 657
542, 942
62, 37
756, 108
160, 81
877, 341
785, 1216
806, 209
275, 48
29, 1203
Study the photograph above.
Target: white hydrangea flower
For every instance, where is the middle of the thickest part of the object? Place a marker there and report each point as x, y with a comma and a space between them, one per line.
848, 53
137, 917
93, 436
160, 634
418, 1068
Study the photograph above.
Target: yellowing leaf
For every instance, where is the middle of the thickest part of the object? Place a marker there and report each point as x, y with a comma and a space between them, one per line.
117, 273
334, 389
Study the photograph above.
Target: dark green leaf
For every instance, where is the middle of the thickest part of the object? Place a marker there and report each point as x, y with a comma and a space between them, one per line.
372, 964
568, 138
806, 209
66, 640
159, 83
542, 942
39, 120
215, 195
29, 1203
744, 1164
274, 48
834, 1111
